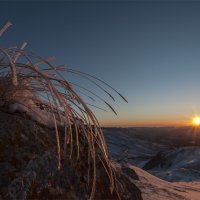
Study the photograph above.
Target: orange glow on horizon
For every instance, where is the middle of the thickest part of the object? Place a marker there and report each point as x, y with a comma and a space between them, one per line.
189, 119
147, 123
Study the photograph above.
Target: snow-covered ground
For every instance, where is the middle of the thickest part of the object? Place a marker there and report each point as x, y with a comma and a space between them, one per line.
124, 147
154, 188
166, 172
169, 162
179, 164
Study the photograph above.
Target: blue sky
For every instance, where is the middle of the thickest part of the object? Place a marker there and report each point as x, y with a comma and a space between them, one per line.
149, 51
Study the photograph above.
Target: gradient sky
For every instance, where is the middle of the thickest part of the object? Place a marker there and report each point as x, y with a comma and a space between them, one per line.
149, 51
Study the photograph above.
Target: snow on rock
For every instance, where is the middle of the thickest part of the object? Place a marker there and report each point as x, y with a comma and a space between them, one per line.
38, 110
35, 113
22, 99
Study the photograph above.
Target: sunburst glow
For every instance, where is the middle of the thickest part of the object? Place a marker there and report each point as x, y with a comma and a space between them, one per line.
196, 121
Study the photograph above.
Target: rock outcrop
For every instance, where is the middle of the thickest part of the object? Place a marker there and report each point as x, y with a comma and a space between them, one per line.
28, 166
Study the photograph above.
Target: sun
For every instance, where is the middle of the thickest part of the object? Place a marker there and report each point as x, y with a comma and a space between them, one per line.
196, 121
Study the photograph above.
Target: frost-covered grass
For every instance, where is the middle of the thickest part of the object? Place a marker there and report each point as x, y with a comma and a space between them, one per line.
31, 84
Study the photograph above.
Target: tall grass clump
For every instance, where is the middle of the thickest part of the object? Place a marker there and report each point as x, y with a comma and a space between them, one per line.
28, 81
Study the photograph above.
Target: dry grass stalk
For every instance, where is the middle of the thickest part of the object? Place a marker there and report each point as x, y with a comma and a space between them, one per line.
23, 81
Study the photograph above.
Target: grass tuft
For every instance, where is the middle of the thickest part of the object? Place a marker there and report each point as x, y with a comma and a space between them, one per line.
30, 80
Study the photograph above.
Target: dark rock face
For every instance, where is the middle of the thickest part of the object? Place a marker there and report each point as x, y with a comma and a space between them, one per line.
28, 166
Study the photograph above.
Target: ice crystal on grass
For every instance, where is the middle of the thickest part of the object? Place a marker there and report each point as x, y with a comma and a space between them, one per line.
27, 86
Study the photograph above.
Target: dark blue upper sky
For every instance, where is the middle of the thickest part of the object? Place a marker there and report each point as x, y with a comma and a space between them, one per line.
149, 51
